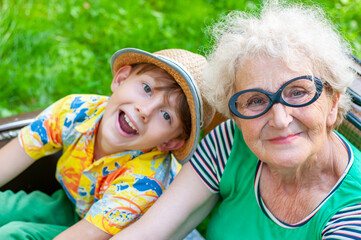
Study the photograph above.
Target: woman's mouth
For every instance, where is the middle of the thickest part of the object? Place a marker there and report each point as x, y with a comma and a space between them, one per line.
285, 139
126, 124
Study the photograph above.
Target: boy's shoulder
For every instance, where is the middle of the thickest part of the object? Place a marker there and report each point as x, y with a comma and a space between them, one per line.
80, 101
78, 112
77, 108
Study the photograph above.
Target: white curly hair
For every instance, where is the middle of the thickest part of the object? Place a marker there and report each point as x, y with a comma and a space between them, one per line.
292, 33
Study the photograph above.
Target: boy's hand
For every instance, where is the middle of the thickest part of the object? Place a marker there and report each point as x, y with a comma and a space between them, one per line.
13, 160
83, 230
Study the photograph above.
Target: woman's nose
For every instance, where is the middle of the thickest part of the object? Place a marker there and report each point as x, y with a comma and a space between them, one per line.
280, 116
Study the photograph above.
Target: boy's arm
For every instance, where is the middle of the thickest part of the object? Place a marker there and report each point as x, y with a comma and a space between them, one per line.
177, 212
13, 160
83, 230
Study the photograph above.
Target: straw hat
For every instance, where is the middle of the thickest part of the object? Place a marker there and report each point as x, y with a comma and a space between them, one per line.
187, 70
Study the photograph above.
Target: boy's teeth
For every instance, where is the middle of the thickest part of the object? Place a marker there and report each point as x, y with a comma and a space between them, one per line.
129, 122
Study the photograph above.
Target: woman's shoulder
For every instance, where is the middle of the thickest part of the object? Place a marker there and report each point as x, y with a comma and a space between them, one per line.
345, 224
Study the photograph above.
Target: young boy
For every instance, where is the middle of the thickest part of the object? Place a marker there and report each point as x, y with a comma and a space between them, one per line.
116, 157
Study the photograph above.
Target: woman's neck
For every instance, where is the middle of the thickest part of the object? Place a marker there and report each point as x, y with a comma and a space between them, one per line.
292, 194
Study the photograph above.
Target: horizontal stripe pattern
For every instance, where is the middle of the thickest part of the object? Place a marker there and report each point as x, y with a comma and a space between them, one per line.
346, 224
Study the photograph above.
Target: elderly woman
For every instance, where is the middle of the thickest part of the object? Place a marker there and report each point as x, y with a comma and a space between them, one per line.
278, 165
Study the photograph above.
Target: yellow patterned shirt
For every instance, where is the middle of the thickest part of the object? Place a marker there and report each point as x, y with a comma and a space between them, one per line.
111, 192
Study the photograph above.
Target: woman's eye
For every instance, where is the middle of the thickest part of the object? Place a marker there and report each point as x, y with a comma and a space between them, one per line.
253, 102
166, 116
299, 93
257, 101
147, 88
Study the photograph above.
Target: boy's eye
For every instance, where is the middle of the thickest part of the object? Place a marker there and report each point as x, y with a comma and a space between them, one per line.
147, 88
166, 116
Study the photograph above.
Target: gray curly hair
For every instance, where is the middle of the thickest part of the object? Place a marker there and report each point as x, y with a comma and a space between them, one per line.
292, 33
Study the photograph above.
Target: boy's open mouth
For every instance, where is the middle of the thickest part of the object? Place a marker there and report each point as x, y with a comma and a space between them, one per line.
126, 125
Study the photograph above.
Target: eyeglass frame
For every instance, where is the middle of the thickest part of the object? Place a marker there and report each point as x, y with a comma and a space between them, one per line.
275, 97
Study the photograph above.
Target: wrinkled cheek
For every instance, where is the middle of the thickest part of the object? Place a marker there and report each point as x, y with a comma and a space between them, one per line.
252, 140
249, 130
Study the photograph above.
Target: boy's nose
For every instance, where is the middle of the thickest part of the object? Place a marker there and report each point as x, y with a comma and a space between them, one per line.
146, 109
280, 116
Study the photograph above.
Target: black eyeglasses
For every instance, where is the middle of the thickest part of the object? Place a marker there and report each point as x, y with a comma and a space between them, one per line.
297, 92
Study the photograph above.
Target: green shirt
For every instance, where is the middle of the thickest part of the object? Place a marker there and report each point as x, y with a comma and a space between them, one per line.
241, 215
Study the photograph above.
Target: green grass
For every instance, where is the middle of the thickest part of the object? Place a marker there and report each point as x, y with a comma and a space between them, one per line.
49, 49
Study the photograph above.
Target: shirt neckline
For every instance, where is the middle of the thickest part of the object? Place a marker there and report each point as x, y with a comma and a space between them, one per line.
269, 214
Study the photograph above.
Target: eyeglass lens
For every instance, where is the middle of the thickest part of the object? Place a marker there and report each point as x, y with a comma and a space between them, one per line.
295, 93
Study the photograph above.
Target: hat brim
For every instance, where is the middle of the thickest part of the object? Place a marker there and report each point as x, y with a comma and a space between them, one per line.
130, 56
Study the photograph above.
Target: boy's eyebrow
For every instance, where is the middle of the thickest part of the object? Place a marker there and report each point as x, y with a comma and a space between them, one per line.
168, 92
166, 96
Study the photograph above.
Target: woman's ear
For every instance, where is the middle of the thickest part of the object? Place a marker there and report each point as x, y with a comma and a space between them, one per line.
120, 76
332, 115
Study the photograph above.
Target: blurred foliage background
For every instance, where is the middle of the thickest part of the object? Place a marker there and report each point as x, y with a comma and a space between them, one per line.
52, 48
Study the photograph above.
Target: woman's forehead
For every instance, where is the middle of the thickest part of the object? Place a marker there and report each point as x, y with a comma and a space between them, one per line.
266, 73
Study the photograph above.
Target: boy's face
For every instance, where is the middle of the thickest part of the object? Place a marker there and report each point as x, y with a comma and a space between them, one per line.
139, 117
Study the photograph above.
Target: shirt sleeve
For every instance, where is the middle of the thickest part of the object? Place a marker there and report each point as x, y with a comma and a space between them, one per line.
346, 224
128, 198
210, 157
43, 136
